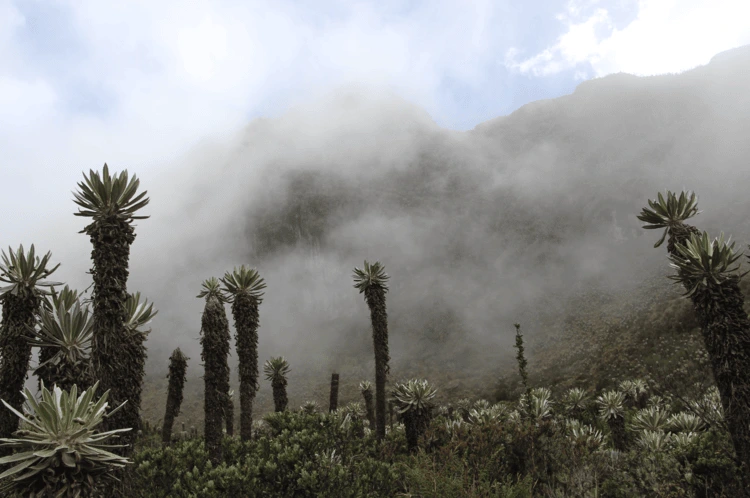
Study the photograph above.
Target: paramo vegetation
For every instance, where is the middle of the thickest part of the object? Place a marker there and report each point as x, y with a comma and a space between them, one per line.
81, 435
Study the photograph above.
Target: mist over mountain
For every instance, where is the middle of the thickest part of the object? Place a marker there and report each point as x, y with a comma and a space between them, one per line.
522, 219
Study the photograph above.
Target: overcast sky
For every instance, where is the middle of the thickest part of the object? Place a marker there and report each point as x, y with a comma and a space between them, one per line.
138, 83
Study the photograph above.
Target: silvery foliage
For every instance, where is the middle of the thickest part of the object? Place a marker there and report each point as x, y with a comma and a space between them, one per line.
653, 418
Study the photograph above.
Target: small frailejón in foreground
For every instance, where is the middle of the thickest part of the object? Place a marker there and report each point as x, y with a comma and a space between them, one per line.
59, 451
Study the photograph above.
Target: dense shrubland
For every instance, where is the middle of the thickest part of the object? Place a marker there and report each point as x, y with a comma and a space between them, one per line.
670, 434
563, 447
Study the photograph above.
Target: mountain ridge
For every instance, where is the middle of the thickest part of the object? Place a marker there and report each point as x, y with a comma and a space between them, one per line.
522, 219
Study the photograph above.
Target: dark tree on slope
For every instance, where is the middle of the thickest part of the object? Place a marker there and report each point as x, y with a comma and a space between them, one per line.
276, 370
333, 401
365, 387
372, 282
176, 376
111, 202
704, 268
215, 343
244, 287
21, 300
65, 329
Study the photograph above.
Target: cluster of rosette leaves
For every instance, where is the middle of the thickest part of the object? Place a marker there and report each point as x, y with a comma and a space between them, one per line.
58, 450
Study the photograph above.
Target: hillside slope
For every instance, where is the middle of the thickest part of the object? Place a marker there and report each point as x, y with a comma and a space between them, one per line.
528, 218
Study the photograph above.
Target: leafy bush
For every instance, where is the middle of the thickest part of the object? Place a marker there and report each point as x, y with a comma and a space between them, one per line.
302, 455
478, 450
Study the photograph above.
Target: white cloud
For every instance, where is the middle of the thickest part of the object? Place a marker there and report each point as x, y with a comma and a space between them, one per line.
666, 36
184, 69
202, 47
24, 103
169, 74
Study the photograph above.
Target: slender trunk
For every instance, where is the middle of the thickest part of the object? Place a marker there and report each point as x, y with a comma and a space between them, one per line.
370, 409
44, 374
642, 401
415, 424
229, 416
375, 298
333, 402
390, 414
245, 311
279, 394
576, 413
15, 351
617, 429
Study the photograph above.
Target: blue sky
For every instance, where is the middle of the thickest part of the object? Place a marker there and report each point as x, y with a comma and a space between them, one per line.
137, 83
475, 86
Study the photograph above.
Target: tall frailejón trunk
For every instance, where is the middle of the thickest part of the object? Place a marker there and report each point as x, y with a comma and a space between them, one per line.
229, 416
15, 354
369, 408
45, 374
617, 429
333, 401
246, 319
375, 297
726, 334
280, 399
390, 414
118, 354
110, 350
215, 348
131, 375
224, 373
176, 376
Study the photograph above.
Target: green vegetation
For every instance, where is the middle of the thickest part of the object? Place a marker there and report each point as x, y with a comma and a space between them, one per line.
176, 376
704, 268
365, 387
521, 360
495, 453
215, 343
371, 281
333, 399
414, 402
21, 300
137, 315
59, 452
64, 338
117, 353
229, 415
632, 435
276, 370
245, 287
612, 411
